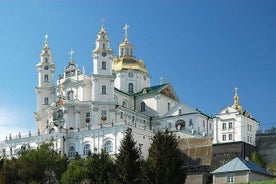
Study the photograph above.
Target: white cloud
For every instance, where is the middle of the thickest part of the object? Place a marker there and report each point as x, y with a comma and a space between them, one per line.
14, 120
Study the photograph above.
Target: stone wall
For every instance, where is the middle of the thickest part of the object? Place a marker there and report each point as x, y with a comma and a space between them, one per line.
266, 147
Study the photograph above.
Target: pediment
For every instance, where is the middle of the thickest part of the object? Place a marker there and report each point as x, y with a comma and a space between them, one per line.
69, 81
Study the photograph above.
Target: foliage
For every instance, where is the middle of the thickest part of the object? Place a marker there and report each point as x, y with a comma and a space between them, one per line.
76, 172
271, 167
165, 162
100, 168
42, 165
128, 161
256, 158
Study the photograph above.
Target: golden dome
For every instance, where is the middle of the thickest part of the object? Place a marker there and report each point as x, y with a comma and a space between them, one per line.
128, 63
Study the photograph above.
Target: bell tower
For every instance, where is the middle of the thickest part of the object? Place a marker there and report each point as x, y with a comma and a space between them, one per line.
103, 80
45, 90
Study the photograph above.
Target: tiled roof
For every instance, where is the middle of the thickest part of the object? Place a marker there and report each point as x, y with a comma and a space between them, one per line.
239, 164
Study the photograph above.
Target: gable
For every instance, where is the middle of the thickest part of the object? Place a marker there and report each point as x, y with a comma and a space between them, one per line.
164, 89
169, 92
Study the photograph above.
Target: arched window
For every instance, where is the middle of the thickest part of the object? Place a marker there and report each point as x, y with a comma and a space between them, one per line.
46, 78
130, 87
52, 131
125, 103
108, 146
86, 149
116, 99
103, 89
143, 106
70, 95
71, 151
103, 46
122, 52
46, 100
103, 65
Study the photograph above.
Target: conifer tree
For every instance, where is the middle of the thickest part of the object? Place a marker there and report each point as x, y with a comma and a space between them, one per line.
100, 168
165, 161
128, 161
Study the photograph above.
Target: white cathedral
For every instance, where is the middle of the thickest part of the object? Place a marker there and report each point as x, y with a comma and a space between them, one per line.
83, 113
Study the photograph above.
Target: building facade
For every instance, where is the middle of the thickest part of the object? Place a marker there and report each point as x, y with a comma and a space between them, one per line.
83, 113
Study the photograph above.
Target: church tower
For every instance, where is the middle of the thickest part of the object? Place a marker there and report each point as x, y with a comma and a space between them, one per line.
131, 74
45, 90
103, 81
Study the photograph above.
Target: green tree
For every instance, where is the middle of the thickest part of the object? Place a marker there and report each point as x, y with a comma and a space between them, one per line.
256, 158
100, 168
76, 172
8, 171
271, 167
128, 161
42, 165
165, 161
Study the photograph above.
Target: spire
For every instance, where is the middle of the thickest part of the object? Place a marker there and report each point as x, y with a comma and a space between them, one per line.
236, 101
102, 27
126, 27
46, 42
71, 56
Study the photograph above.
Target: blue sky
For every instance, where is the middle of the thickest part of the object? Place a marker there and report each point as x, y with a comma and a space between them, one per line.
203, 48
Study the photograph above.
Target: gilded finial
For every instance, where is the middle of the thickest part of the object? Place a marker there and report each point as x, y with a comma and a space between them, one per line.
236, 101
46, 41
102, 27
126, 27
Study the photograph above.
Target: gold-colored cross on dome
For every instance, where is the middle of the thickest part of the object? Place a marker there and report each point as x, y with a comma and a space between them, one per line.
126, 27
46, 37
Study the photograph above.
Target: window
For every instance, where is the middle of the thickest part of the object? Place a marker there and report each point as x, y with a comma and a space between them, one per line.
191, 122
88, 114
46, 67
224, 137
130, 87
70, 95
103, 65
103, 89
121, 114
125, 104
179, 111
46, 101
133, 119
230, 137
46, 60
46, 78
103, 45
103, 112
169, 106
230, 178
122, 52
230, 125
143, 106
108, 146
71, 151
223, 126
86, 149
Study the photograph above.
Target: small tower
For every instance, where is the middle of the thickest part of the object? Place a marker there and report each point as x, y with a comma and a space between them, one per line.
45, 90
131, 74
103, 80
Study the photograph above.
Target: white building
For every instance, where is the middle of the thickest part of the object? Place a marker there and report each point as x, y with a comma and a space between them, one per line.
232, 124
83, 113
